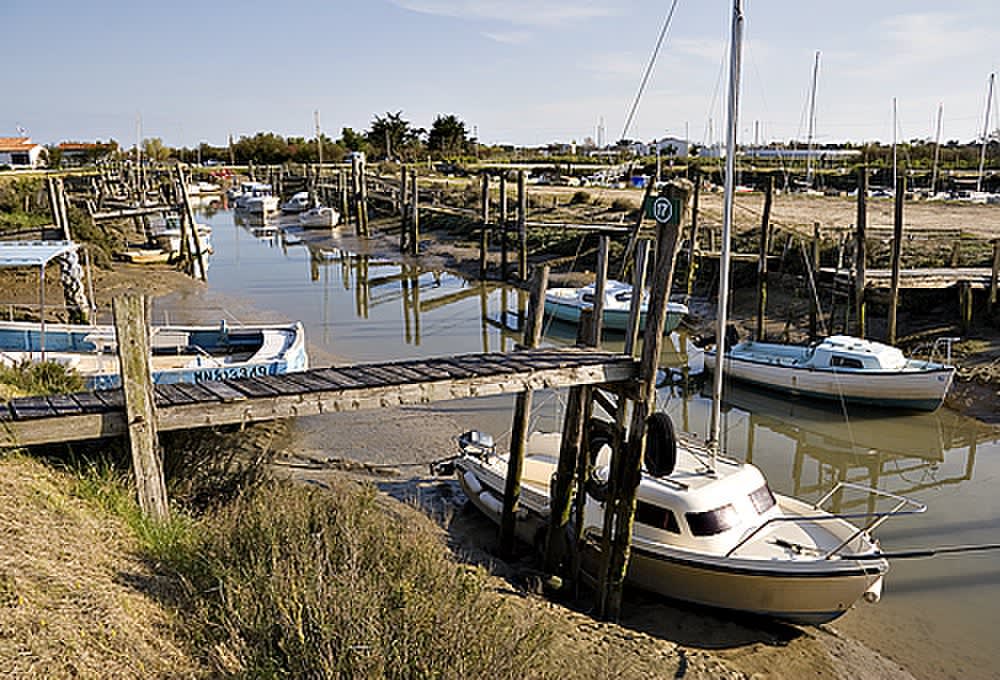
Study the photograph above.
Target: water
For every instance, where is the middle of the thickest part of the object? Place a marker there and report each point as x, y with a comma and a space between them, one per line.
936, 615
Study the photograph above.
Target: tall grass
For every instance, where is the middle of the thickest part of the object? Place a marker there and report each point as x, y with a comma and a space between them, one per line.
38, 378
329, 583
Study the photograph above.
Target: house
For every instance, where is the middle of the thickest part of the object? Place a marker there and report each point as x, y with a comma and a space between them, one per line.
76, 154
20, 152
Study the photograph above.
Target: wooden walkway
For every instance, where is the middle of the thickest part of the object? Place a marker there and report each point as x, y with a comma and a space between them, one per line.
926, 278
92, 415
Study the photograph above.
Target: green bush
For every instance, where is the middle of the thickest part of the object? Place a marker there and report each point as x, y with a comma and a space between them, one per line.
39, 378
579, 198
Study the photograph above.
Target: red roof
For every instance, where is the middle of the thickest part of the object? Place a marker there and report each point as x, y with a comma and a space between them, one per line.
16, 144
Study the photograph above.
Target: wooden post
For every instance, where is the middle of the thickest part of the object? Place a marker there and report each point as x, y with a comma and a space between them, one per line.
897, 251
345, 206
503, 226
634, 236
363, 195
600, 285
813, 292
414, 213
965, 306
484, 229
994, 273
570, 449
522, 226
860, 258
192, 225
132, 331
356, 193
522, 414
404, 226
615, 560
765, 245
693, 241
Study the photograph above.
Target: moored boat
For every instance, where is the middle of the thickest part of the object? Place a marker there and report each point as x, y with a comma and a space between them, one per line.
299, 202
319, 216
565, 304
716, 537
180, 354
840, 367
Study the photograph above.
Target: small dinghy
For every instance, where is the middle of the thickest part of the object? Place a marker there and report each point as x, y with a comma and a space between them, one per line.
565, 304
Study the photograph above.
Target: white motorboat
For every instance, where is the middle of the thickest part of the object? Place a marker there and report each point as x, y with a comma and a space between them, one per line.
256, 198
565, 304
718, 538
202, 188
165, 232
299, 202
319, 216
840, 367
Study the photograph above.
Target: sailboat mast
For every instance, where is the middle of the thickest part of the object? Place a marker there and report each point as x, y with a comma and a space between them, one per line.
812, 122
735, 50
319, 138
937, 150
986, 133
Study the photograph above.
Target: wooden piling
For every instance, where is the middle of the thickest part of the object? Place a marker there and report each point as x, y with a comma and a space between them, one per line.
994, 272
860, 258
522, 226
765, 245
897, 251
363, 195
414, 212
133, 347
404, 225
199, 261
965, 306
692, 265
600, 285
345, 206
522, 414
813, 292
634, 235
503, 226
484, 229
615, 561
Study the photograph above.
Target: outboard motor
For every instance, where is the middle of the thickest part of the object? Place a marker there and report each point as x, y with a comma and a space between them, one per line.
478, 444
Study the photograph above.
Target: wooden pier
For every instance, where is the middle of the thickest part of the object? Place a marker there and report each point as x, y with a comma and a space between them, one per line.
92, 415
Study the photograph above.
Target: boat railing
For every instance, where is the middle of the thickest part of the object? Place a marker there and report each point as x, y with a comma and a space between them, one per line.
904, 506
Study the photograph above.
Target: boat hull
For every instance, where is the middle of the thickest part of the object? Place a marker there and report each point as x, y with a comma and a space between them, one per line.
220, 354
912, 390
613, 319
809, 593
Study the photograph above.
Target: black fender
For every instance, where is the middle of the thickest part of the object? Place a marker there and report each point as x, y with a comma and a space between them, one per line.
600, 433
660, 455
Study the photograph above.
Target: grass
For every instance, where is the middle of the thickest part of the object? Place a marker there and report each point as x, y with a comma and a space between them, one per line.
37, 378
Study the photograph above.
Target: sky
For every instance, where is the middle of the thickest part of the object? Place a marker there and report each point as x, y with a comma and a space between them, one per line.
521, 72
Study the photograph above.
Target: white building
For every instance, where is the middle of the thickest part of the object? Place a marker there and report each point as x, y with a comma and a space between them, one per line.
20, 152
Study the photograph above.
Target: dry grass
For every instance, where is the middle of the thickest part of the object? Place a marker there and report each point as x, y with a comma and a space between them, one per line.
74, 597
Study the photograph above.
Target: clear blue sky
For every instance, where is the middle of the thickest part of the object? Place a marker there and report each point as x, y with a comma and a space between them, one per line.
523, 72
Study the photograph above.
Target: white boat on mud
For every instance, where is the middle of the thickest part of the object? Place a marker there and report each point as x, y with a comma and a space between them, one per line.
319, 217
840, 367
256, 198
165, 232
180, 354
566, 304
299, 202
717, 538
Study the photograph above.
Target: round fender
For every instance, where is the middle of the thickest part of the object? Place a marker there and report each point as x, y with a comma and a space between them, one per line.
660, 455
600, 433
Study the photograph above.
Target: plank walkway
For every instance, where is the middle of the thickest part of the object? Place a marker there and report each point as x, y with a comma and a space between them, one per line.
92, 415
926, 278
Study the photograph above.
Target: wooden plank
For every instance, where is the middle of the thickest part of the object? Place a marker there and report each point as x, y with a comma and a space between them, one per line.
252, 387
169, 395
113, 399
222, 391
336, 377
31, 407
89, 402
64, 404
279, 384
196, 393
309, 383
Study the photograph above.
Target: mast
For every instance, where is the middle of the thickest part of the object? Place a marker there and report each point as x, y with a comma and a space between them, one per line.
319, 139
937, 151
894, 171
812, 122
735, 50
986, 134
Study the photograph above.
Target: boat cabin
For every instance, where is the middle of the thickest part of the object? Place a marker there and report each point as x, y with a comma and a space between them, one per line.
845, 352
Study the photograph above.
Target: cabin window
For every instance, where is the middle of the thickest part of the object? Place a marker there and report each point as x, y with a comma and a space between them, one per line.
588, 297
762, 499
845, 362
712, 522
656, 517
624, 296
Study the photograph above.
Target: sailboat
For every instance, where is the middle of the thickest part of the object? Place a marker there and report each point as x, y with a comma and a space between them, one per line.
708, 529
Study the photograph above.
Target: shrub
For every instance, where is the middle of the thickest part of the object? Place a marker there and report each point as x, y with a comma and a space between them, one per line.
39, 378
621, 205
579, 198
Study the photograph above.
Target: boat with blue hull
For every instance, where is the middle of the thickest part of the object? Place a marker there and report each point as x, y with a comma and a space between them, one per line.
839, 368
180, 354
566, 304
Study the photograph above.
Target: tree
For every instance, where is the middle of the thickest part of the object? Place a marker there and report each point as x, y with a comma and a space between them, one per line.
353, 141
392, 136
448, 136
154, 150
